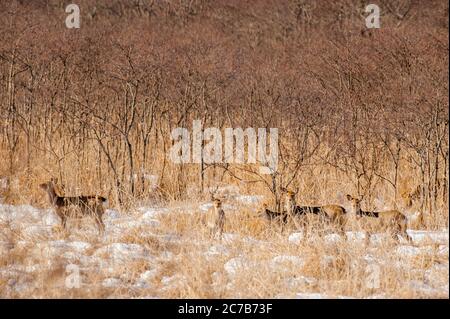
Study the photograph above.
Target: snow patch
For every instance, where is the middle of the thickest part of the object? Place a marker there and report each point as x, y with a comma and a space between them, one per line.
355, 235
407, 250
307, 295
437, 274
229, 237
205, 207
150, 213
123, 252
145, 278
284, 261
296, 238
426, 289
111, 214
440, 237
174, 281
216, 250
112, 282
250, 199
333, 238
443, 250
50, 219
61, 248
301, 281
237, 265
148, 275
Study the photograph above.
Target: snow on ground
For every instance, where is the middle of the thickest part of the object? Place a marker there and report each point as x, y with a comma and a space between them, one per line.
120, 252
432, 236
296, 238
250, 199
283, 261
237, 265
319, 296
217, 250
137, 266
300, 282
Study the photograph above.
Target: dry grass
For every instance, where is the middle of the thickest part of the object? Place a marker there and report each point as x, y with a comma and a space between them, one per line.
364, 113
252, 260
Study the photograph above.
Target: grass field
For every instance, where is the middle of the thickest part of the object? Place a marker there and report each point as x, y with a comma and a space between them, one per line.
360, 111
165, 252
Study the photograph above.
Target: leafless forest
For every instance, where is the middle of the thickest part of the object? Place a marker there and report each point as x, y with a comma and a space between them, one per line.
359, 111
94, 106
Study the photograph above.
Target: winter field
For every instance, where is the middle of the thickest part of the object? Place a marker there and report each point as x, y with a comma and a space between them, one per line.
166, 109
166, 252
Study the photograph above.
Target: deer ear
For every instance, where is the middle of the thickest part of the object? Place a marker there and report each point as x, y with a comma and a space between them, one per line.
349, 197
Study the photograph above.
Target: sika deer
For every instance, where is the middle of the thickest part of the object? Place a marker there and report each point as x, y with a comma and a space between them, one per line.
391, 220
273, 216
87, 205
332, 214
220, 217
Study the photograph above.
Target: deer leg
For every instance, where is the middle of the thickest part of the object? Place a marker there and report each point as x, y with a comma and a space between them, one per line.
322, 227
340, 229
277, 224
63, 217
63, 221
100, 223
394, 228
212, 232
404, 233
305, 228
282, 221
220, 231
217, 228
394, 234
98, 219
408, 238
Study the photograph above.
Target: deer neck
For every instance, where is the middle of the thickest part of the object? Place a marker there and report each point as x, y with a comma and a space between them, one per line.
290, 204
219, 211
357, 211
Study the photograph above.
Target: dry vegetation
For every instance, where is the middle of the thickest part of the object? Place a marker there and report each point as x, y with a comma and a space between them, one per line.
176, 258
358, 111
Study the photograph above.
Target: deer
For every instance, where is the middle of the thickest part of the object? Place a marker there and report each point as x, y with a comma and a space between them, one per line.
409, 198
273, 216
219, 218
87, 205
412, 201
391, 220
332, 214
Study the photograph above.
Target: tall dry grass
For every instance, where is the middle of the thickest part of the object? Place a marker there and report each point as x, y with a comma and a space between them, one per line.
358, 112
256, 262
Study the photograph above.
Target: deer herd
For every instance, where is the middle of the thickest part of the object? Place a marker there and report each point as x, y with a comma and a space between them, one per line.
392, 222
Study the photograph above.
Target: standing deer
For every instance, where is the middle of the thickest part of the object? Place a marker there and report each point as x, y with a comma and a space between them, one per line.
272, 215
87, 205
219, 216
333, 214
391, 220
